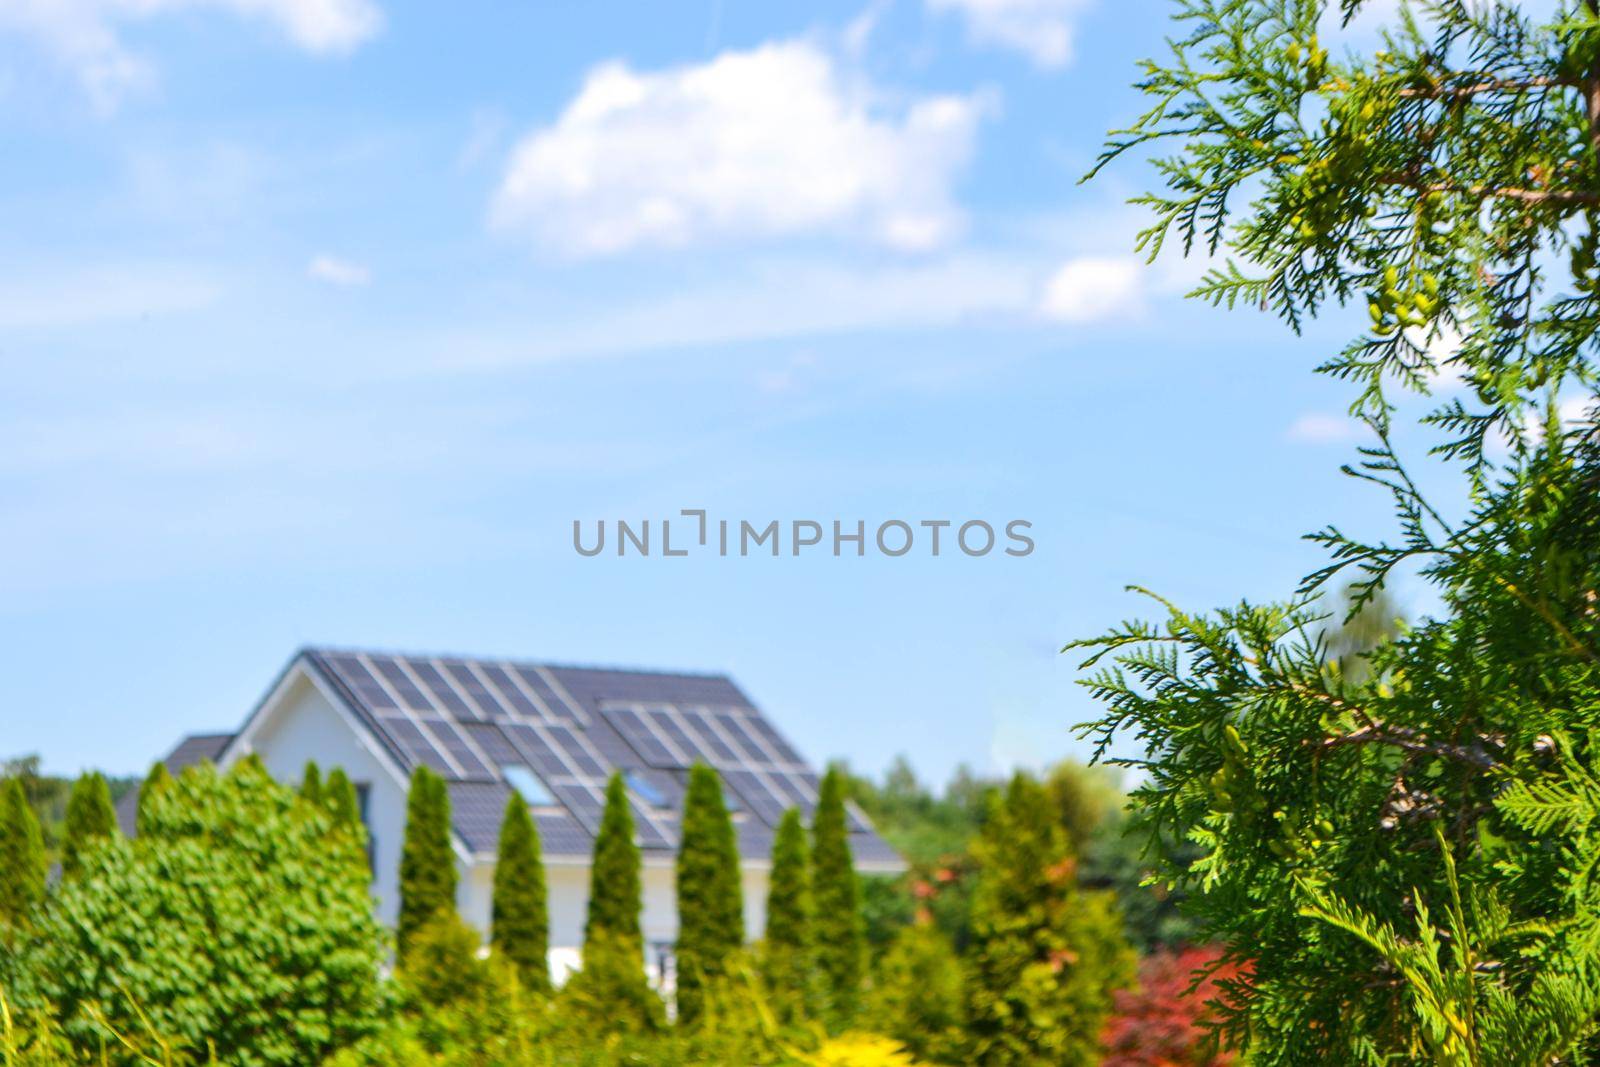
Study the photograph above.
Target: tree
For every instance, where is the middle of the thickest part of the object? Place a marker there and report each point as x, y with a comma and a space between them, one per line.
1045, 956
1404, 854
227, 924
611, 991
427, 862
1162, 1022
339, 797
710, 894
918, 995
520, 930
157, 780
614, 880
22, 859
311, 783
788, 951
840, 951
90, 817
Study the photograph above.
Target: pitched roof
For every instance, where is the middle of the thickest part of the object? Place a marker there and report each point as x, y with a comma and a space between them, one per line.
470, 719
191, 750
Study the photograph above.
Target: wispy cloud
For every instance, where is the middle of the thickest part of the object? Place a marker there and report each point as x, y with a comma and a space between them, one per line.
83, 35
1317, 428
1092, 288
1042, 30
772, 300
337, 271
774, 141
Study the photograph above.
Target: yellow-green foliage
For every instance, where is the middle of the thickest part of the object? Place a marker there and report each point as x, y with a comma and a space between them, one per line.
918, 995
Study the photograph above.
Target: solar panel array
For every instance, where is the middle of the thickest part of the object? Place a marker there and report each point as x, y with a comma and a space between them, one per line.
468, 718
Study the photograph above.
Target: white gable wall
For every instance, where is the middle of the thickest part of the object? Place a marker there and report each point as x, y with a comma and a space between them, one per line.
303, 726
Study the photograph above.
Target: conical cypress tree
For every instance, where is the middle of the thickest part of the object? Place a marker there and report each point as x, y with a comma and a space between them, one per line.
311, 783
157, 780
89, 816
427, 865
339, 798
521, 922
788, 950
839, 928
22, 860
614, 879
710, 897
1046, 956
611, 986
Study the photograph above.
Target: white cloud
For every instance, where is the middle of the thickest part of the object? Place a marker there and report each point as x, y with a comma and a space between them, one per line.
83, 36
336, 271
1042, 30
1315, 428
778, 140
1092, 288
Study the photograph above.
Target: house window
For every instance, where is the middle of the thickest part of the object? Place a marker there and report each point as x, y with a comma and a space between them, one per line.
645, 789
528, 785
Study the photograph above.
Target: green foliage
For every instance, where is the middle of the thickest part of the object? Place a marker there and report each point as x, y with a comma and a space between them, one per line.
839, 945
520, 930
442, 968
1405, 851
48, 796
918, 995
227, 925
611, 994
311, 783
934, 831
157, 780
1046, 956
710, 894
427, 862
89, 817
22, 858
344, 807
788, 952
614, 879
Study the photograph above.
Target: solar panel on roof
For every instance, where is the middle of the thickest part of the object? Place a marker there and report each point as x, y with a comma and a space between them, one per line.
401, 683
756, 795
440, 690
493, 743
460, 751
541, 688
639, 734
470, 719
534, 750
734, 725
701, 723
509, 693
579, 800
468, 681
645, 829
420, 748
663, 721
354, 674
794, 796
575, 751
774, 740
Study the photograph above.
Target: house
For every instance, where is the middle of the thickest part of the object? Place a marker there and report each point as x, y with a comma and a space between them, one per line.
551, 734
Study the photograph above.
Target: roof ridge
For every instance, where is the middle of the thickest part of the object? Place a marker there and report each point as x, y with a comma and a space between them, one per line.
516, 660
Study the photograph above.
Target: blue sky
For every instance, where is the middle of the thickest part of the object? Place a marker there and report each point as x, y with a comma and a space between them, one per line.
322, 320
